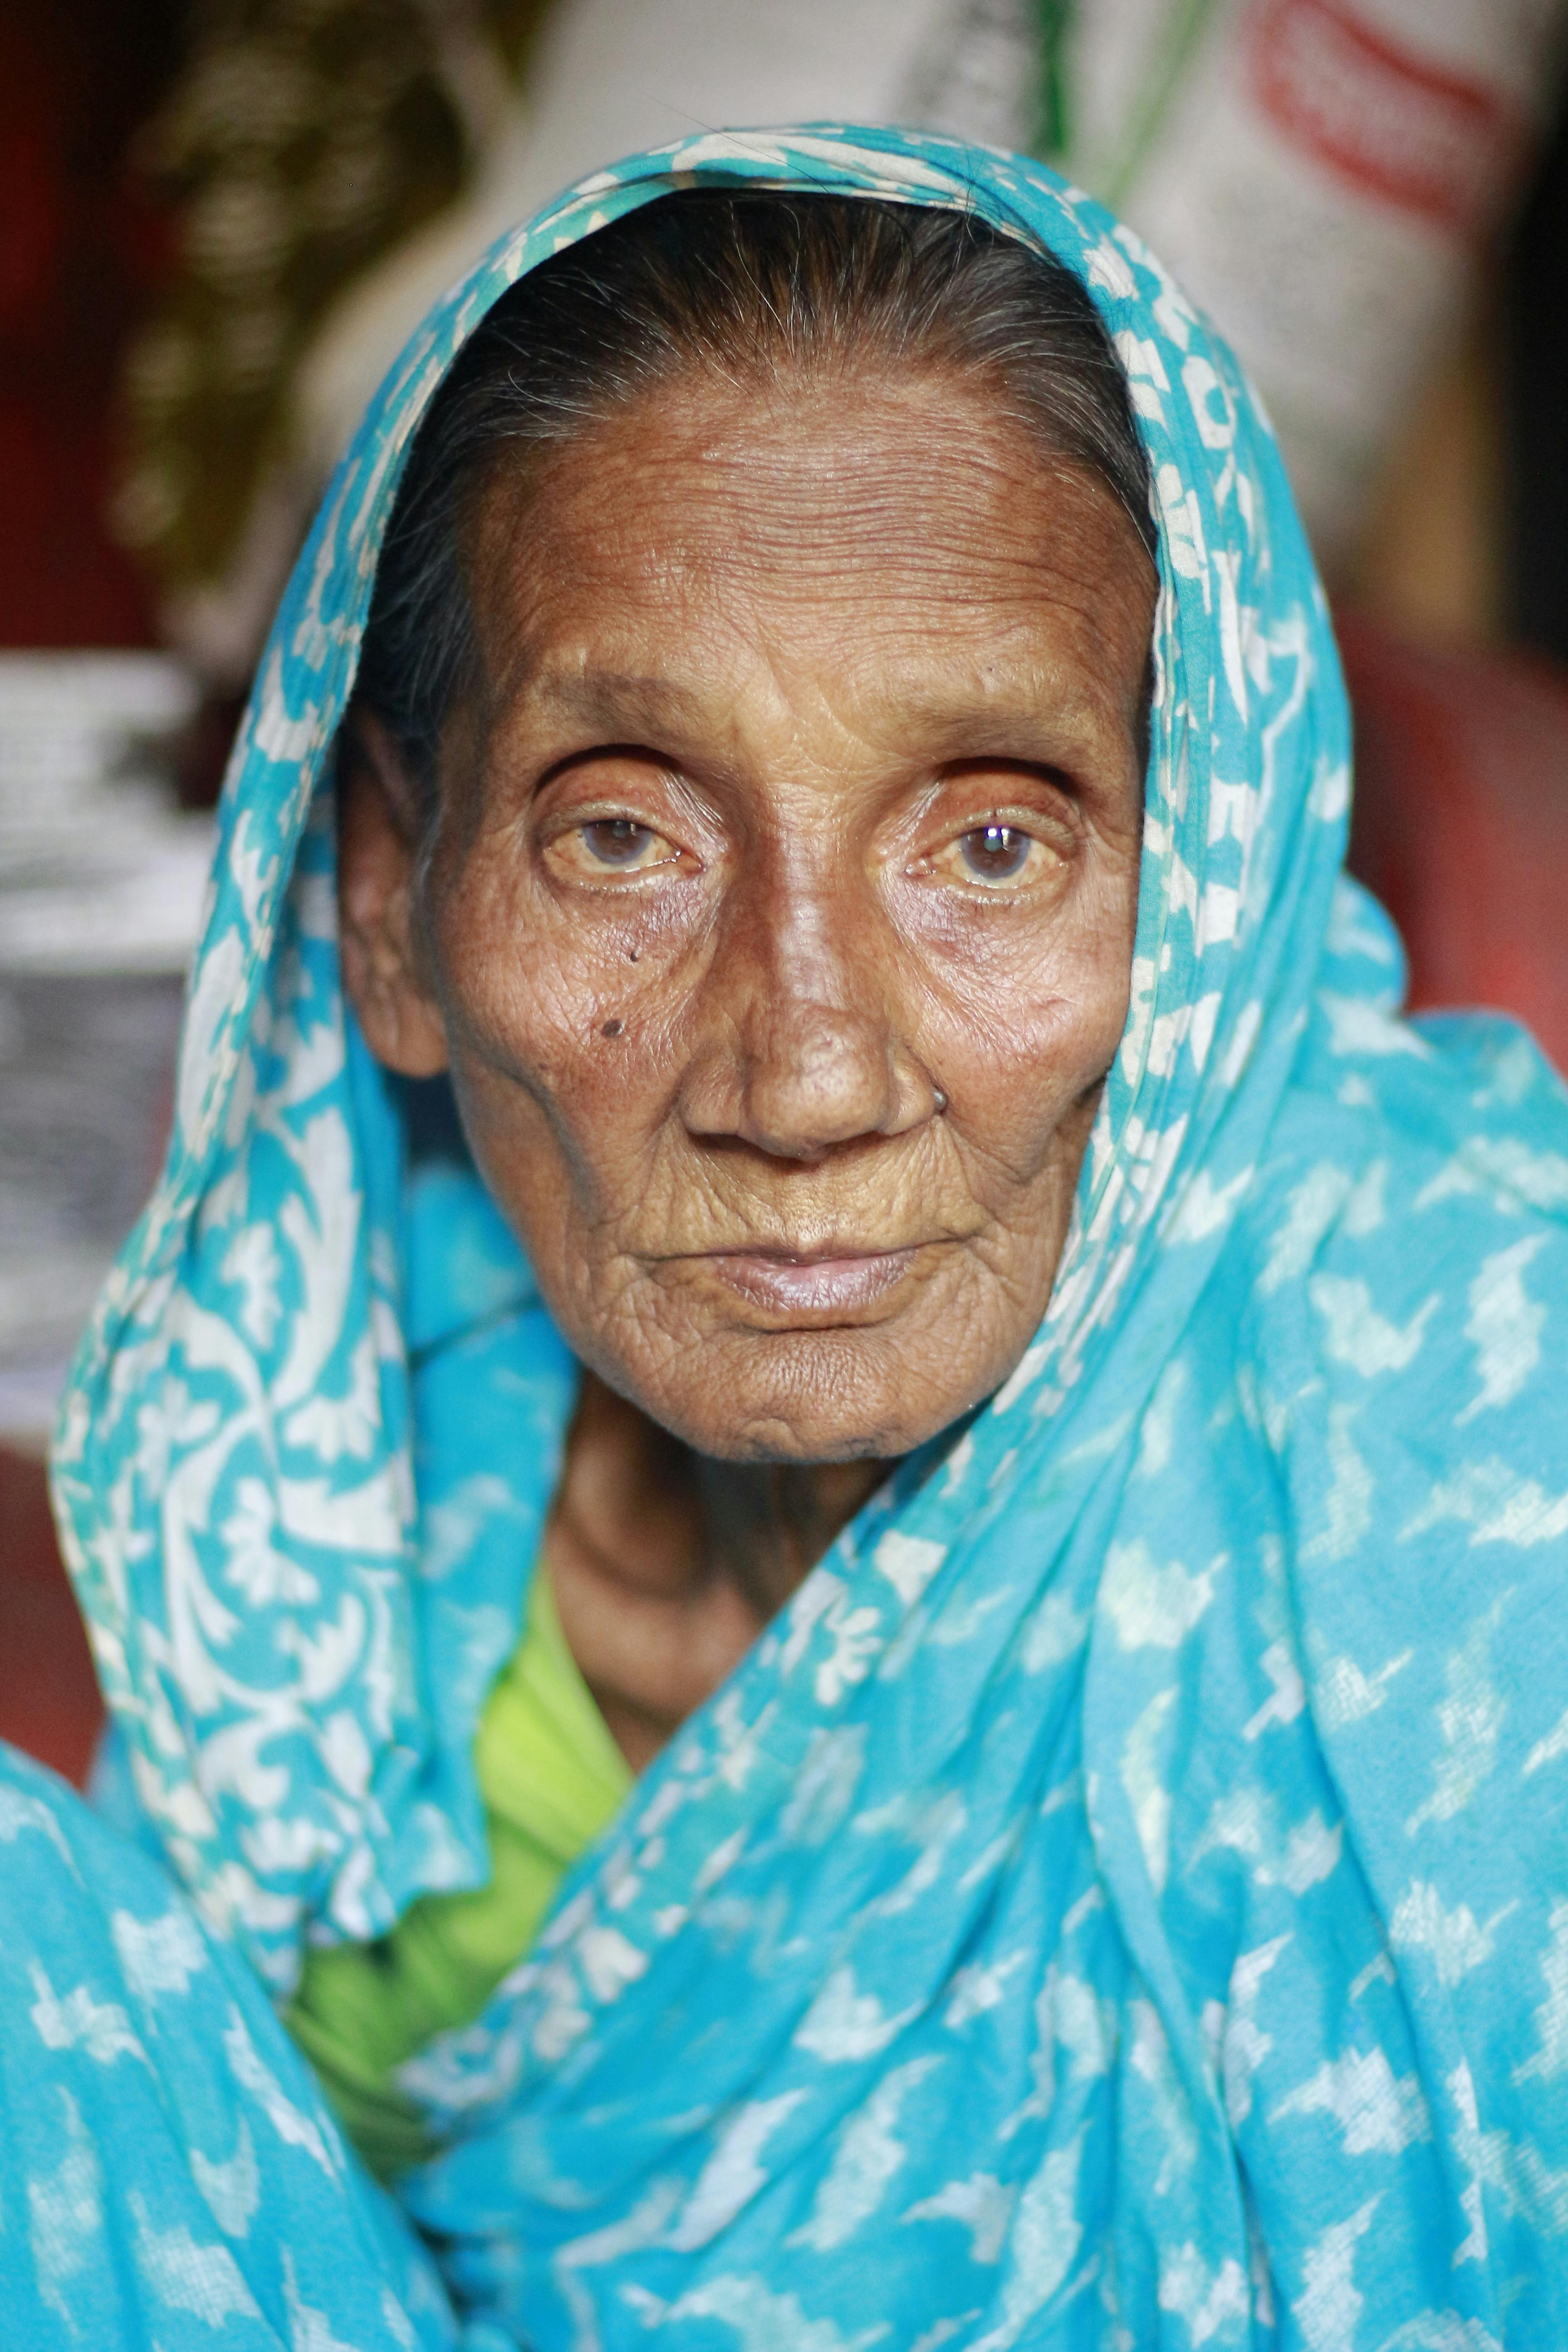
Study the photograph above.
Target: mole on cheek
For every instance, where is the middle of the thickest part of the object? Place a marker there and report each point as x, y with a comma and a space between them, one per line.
611, 1029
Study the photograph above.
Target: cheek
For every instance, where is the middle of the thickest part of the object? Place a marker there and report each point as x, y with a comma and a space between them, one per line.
561, 1033
1027, 1014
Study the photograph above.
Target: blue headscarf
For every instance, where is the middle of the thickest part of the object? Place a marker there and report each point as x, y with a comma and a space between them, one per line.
1122, 1898
169, 2175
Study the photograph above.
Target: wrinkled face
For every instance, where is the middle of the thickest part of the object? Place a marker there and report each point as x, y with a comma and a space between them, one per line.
778, 931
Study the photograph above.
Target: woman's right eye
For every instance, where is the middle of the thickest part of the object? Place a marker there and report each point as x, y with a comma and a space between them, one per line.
607, 846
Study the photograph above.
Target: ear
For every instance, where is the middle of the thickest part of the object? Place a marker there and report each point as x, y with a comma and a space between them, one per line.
384, 972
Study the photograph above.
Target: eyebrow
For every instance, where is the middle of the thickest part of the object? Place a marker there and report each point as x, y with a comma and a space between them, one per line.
612, 698
601, 697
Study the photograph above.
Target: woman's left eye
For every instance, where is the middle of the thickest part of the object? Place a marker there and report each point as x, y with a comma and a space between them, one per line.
996, 856
612, 844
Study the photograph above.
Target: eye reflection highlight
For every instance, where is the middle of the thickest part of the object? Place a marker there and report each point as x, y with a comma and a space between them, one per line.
996, 856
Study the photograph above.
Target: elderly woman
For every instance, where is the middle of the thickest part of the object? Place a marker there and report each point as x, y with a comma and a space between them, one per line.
829, 1496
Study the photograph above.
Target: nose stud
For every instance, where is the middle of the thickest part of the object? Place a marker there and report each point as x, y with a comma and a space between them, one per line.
939, 1101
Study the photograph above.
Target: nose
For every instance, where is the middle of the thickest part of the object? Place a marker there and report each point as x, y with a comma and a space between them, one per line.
816, 1075
804, 1051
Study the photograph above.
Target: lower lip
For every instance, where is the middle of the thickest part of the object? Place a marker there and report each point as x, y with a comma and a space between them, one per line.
813, 1285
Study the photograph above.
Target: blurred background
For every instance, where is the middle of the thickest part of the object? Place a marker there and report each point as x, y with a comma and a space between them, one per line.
219, 220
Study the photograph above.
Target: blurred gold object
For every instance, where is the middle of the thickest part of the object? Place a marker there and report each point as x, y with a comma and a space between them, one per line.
302, 140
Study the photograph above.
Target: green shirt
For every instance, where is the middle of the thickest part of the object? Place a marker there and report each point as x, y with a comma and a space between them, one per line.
550, 1777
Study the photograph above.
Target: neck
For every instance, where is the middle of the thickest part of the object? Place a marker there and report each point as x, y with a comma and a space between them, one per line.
667, 1518
666, 1565
768, 1524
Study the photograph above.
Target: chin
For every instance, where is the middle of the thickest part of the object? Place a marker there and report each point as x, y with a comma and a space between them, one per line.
796, 1398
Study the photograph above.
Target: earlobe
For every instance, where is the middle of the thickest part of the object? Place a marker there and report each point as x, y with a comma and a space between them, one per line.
384, 971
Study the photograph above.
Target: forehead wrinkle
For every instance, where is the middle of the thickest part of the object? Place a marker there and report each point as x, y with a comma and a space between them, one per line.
871, 599
690, 534
731, 523
1026, 698
821, 485
1010, 678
